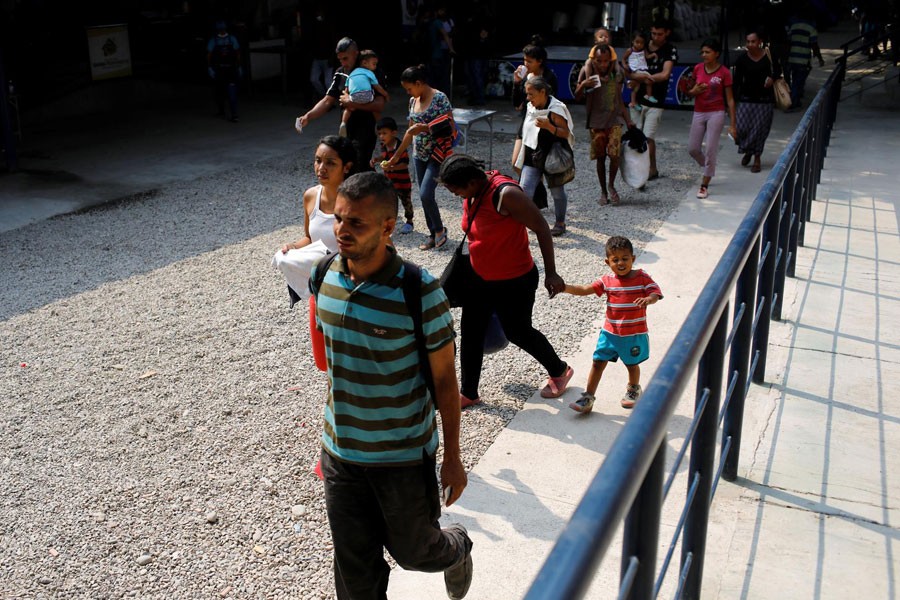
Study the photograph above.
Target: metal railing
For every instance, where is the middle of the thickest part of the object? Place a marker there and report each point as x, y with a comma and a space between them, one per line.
857, 66
630, 483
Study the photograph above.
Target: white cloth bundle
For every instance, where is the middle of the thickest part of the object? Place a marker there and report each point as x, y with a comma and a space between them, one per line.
296, 265
530, 129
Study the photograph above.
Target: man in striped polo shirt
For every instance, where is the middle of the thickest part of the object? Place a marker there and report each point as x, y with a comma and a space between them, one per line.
803, 38
380, 435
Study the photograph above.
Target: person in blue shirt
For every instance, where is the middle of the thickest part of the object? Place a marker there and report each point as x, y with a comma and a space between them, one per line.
223, 57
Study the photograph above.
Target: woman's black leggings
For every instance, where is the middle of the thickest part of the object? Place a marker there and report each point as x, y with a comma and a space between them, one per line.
513, 301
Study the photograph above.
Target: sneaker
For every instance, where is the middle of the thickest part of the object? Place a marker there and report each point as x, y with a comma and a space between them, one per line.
406, 228
583, 404
631, 396
458, 578
652, 99
342, 130
702, 192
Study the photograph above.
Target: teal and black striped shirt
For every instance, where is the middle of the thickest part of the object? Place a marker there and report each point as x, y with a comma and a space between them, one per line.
802, 36
379, 409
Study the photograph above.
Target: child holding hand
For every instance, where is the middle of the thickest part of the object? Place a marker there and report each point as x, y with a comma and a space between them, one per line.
398, 172
624, 335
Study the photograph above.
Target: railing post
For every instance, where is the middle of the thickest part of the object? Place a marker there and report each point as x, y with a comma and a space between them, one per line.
805, 165
739, 361
703, 456
766, 287
799, 202
641, 533
784, 203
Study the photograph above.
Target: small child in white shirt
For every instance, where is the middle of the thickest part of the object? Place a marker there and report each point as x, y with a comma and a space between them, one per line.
635, 61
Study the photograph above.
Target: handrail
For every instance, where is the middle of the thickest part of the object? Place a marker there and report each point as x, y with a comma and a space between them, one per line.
629, 483
845, 47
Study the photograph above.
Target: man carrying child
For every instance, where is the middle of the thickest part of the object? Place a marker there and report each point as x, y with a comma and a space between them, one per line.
361, 124
600, 85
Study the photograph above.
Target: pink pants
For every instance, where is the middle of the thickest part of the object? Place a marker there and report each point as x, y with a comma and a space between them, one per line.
706, 125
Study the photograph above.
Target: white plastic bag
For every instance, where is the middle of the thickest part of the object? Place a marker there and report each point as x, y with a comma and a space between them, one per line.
635, 166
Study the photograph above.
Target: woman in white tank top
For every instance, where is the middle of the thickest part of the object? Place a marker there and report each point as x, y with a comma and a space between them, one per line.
333, 163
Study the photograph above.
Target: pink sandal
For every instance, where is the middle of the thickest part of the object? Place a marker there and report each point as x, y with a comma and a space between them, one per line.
556, 386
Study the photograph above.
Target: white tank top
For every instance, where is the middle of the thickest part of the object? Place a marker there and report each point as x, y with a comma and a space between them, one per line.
321, 225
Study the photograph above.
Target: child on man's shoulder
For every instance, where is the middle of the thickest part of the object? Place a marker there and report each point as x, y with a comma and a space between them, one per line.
629, 292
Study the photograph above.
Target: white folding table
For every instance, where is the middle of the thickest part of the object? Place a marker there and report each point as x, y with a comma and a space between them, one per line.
466, 117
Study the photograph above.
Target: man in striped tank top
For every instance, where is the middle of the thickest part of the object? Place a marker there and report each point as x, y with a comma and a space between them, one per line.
380, 429
624, 335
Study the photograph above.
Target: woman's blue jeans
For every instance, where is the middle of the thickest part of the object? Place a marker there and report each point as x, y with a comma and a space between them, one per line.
529, 180
426, 175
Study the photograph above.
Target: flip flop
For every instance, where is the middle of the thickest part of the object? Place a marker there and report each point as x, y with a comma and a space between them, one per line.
603, 200
440, 239
614, 197
427, 245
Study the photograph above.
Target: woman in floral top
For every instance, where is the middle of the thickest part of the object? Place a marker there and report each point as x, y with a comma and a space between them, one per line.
425, 105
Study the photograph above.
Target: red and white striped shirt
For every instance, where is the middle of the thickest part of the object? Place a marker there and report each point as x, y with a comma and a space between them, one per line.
623, 317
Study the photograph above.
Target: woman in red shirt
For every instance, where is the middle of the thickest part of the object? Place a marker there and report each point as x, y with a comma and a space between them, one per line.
712, 93
506, 277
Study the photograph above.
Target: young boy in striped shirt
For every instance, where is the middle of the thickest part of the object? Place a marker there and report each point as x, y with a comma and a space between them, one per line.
624, 335
386, 128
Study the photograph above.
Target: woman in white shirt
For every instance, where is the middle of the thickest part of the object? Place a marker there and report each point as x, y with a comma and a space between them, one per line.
335, 160
546, 120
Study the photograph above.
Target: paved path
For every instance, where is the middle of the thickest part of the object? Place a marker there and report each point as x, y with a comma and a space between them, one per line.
814, 511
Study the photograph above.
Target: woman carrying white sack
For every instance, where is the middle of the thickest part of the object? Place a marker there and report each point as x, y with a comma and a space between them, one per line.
546, 120
335, 161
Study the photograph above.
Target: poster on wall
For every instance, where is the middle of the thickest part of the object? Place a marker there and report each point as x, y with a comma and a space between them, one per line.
109, 51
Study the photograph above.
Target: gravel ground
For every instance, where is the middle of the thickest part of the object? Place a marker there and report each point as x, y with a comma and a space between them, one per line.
160, 410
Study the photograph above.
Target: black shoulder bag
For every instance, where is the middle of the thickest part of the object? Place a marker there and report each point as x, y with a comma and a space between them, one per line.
458, 274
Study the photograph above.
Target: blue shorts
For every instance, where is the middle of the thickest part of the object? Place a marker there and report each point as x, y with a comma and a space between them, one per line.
633, 349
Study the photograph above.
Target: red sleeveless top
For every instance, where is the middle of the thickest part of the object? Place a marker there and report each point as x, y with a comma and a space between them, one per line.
498, 244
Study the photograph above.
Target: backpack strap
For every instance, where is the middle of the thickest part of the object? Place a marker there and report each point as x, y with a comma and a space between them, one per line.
412, 294
322, 267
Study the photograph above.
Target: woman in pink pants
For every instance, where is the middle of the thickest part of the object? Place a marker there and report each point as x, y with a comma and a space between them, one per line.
712, 93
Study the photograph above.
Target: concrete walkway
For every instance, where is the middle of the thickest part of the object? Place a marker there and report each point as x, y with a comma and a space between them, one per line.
814, 511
